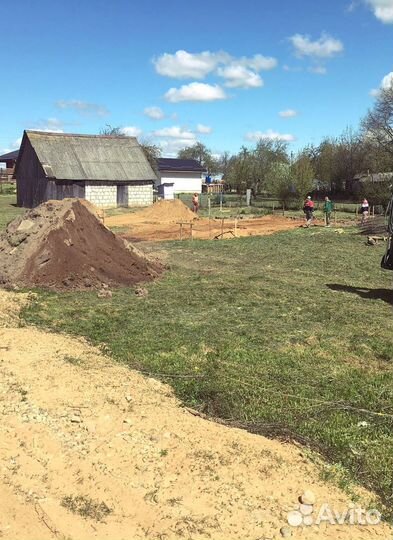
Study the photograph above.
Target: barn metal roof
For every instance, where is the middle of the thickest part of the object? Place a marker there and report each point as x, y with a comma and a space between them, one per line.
171, 164
90, 157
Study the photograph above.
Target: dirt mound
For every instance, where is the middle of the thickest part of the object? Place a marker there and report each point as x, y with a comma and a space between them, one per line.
165, 212
63, 245
93, 450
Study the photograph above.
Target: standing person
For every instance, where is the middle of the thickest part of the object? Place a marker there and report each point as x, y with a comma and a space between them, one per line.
364, 210
195, 203
308, 210
327, 210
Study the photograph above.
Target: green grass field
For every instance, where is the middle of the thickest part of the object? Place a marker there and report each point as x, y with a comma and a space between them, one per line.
8, 209
289, 335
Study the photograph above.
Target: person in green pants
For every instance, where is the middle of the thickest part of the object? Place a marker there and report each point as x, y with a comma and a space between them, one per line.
327, 210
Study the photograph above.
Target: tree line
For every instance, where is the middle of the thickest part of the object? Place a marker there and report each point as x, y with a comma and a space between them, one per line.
329, 168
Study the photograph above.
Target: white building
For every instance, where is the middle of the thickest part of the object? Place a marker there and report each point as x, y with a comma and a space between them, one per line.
186, 175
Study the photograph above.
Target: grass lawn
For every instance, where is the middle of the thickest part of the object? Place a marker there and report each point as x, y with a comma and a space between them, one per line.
8, 209
288, 334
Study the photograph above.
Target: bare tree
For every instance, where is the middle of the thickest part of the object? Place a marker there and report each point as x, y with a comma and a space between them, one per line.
378, 124
151, 151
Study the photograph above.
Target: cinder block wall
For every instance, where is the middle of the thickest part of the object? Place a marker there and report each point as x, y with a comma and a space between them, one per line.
140, 195
103, 196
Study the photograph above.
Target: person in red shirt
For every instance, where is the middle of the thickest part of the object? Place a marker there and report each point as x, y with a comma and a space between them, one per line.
308, 210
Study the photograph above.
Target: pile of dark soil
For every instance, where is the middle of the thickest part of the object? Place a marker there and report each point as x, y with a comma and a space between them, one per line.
63, 245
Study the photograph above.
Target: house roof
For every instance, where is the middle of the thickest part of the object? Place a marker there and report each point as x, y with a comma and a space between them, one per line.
374, 177
10, 155
89, 157
187, 165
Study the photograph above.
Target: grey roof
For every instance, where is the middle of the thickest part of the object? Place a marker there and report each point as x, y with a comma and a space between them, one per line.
374, 177
175, 164
9, 156
90, 157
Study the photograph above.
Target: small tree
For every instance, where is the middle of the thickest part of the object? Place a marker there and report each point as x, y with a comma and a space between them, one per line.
111, 131
201, 153
280, 183
378, 124
378, 193
302, 175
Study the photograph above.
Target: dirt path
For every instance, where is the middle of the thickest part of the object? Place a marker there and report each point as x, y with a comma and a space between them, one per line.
202, 228
74, 424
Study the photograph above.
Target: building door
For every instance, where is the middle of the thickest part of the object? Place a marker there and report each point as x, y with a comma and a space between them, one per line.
122, 199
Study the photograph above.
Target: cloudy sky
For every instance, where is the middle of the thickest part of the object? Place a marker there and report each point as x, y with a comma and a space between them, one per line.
223, 72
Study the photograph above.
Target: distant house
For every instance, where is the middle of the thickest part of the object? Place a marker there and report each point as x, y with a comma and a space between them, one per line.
7, 171
108, 171
186, 175
377, 178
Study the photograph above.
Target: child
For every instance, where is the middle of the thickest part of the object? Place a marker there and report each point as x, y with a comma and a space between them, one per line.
364, 209
327, 210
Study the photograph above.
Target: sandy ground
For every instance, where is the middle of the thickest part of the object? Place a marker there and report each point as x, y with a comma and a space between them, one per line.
202, 228
74, 424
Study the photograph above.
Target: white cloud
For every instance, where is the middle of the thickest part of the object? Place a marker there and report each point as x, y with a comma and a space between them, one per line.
131, 131
195, 91
12, 146
288, 113
204, 130
185, 65
318, 70
383, 10
170, 147
175, 132
48, 130
324, 47
258, 62
155, 113
270, 135
238, 76
82, 107
292, 69
374, 92
387, 81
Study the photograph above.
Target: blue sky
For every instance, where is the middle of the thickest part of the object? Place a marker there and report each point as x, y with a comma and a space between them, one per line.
175, 72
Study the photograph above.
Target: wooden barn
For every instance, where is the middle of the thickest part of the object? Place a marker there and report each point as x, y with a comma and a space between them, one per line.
108, 171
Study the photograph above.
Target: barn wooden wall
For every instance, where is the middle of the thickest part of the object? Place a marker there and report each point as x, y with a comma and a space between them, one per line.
61, 190
31, 181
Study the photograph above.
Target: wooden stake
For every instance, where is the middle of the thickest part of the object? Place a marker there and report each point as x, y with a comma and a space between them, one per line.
191, 231
181, 231
222, 225
235, 226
